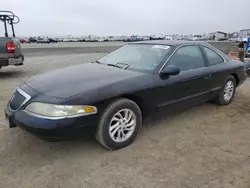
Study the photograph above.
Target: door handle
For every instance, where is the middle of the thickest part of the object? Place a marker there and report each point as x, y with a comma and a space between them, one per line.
208, 76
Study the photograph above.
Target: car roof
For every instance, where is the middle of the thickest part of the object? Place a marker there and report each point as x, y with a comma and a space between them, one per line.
171, 42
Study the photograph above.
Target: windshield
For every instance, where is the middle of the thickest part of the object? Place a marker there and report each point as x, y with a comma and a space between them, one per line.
137, 56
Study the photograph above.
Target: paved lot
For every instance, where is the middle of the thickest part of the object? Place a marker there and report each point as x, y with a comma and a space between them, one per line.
67, 48
72, 44
206, 146
95, 47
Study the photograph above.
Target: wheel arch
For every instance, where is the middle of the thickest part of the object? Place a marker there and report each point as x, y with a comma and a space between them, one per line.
236, 77
137, 99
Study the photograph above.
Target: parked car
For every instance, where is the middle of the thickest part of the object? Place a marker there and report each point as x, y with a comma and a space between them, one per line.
222, 39
42, 41
233, 39
32, 40
245, 39
116, 92
52, 40
67, 40
101, 40
10, 46
23, 41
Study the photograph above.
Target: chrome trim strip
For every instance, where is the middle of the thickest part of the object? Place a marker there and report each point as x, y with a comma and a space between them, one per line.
216, 89
58, 118
27, 98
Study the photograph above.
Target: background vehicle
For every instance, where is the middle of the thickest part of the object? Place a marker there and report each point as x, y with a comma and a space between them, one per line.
114, 93
233, 39
10, 47
197, 37
52, 40
42, 40
23, 41
67, 40
245, 39
32, 40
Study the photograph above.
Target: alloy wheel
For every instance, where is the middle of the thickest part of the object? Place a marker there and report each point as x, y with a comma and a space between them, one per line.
228, 91
122, 125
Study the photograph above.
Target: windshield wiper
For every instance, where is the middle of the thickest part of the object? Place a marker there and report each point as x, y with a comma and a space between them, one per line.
116, 65
126, 66
113, 65
97, 62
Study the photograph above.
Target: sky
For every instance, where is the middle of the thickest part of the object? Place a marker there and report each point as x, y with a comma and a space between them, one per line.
127, 17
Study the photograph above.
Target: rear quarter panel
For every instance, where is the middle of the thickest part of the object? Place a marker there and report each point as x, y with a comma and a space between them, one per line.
3, 52
18, 49
221, 71
3, 41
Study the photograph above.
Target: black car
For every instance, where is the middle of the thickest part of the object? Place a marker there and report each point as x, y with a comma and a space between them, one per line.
115, 93
52, 40
32, 40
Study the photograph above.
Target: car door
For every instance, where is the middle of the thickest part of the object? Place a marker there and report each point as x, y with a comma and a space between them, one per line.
216, 64
190, 83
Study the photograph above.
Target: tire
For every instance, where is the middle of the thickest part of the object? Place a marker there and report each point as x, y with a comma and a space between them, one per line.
221, 99
109, 120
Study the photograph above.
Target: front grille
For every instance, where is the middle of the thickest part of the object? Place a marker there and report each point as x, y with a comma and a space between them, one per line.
17, 100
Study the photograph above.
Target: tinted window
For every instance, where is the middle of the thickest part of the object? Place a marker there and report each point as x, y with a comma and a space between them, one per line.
137, 56
213, 57
187, 58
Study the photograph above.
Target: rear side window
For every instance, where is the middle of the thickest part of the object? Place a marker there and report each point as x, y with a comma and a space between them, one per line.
213, 57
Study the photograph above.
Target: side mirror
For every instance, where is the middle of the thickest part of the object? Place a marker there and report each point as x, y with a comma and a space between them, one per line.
170, 70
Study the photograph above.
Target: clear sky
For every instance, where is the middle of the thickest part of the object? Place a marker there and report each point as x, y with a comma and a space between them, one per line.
118, 17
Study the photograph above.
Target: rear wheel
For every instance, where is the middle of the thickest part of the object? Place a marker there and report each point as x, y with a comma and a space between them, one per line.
119, 124
227, 93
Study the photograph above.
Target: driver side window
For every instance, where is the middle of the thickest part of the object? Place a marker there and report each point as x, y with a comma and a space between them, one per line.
187, 58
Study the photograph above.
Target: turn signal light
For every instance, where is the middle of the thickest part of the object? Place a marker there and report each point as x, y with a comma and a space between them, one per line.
88, 109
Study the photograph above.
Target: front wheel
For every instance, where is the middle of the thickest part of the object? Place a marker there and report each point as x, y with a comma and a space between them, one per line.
227, 93
119, 124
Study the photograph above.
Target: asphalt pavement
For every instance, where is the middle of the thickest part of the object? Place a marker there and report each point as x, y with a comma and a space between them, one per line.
88, 47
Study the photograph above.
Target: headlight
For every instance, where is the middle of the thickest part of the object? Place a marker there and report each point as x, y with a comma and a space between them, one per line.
59, 111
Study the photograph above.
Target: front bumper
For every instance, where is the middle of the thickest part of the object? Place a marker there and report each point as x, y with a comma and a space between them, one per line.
48, 128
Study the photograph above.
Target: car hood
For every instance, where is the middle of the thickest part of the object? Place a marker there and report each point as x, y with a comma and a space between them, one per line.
74, 80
